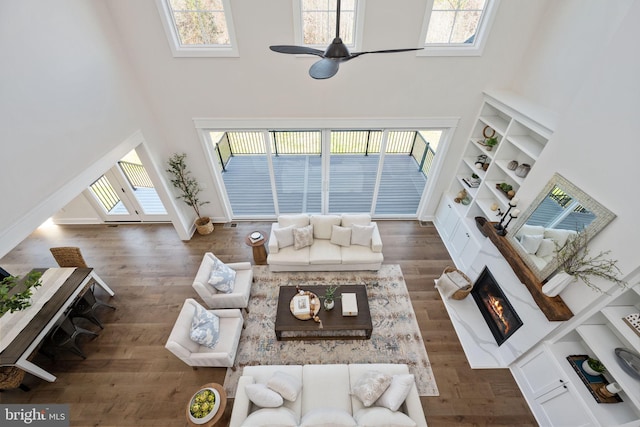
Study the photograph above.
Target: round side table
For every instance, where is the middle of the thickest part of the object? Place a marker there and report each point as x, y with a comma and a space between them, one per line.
259, 249
218, 415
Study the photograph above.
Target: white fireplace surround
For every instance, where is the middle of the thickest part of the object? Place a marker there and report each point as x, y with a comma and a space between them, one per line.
476, 338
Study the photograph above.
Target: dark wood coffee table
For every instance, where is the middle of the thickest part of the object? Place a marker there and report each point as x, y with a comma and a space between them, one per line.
334, 324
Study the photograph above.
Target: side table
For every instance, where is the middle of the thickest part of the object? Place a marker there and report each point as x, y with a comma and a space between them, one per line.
259, 249
218, 415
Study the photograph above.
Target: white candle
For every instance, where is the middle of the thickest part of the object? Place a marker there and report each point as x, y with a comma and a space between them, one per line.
515, 213
514, 201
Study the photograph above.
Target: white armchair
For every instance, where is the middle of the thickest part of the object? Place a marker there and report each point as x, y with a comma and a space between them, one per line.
194, 354
238, 298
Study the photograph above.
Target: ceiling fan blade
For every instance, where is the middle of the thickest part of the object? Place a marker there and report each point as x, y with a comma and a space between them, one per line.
356, 54
296, 50
324, 69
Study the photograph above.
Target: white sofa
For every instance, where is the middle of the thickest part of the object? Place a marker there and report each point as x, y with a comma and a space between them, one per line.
340, 243
326, 390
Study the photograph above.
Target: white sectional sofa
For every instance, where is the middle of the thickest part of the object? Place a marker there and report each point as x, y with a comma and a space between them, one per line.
338, 243
326, 398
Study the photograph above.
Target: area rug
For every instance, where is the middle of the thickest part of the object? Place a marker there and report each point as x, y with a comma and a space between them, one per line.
395, 339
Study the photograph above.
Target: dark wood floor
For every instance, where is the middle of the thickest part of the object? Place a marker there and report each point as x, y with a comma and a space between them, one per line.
130, 379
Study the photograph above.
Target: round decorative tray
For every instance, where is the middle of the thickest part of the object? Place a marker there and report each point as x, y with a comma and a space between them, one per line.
314, 306
201, 398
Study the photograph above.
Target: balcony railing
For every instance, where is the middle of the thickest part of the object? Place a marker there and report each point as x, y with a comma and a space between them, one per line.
342, 142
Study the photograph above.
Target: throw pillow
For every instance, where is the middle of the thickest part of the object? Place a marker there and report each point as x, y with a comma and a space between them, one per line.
370, 386
302, 237
341, 235
398, 390
276, 417
327, 417
361, 219
531, 243
222, 277
263, 396
284, 236
361, 234
382, 417
285, 384
547, 247
205, 327
559, 236
322, 225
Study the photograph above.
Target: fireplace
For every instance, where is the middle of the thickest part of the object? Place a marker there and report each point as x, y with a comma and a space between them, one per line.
499, 314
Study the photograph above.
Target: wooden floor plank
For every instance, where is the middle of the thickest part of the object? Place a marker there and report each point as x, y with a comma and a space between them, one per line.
130, 379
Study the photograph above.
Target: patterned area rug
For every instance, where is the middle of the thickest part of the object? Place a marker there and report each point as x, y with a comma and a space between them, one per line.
395, 339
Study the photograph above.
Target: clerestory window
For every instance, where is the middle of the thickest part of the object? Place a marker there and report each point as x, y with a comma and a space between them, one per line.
457, 27
199, 27
315, 22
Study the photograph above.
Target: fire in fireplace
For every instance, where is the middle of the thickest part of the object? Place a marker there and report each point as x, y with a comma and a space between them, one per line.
496, 309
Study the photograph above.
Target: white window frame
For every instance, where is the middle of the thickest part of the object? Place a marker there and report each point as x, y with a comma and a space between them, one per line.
178, 50
456, 49
298, 34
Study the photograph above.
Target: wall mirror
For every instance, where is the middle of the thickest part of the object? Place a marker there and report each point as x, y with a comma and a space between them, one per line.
558, 212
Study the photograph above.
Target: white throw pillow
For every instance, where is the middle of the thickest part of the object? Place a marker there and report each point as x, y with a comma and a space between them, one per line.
341, 236
531, 243
398, 390
361, 234
222, 277
361, 219
382, 417
285, 384
302, 237
263, 396
297, 220
531, 230
559, 236
546, 248
322, 225
370, 386
274, 417
327, 417
284, 236
205, 327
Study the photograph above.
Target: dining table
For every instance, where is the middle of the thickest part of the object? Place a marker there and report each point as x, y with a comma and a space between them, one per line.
22, 332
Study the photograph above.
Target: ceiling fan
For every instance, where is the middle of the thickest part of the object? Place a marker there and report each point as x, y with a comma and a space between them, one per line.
331, 58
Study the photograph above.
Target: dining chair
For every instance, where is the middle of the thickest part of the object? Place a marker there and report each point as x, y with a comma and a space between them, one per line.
11, 377
85, 307
65, 336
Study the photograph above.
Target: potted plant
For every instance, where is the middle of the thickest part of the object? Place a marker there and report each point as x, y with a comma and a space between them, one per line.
15, 295
189, 190
489, 143
330, 296
593, 366
576, 262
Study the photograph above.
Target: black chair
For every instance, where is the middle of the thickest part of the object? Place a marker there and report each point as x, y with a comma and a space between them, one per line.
86, 307
65, 336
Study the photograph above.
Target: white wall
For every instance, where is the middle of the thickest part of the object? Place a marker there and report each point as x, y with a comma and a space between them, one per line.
598, 94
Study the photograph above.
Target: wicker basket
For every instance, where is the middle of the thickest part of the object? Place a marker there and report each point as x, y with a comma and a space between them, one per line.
461, 292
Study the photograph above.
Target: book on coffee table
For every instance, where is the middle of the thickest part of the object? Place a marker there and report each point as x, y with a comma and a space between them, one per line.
301, 304
349, 304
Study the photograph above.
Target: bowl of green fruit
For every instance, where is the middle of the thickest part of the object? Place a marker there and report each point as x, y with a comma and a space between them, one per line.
204, 405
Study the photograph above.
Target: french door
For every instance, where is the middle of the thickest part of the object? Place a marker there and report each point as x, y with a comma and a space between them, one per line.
267, 173
125, 193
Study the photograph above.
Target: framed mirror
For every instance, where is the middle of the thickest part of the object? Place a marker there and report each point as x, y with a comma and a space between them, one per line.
558, 212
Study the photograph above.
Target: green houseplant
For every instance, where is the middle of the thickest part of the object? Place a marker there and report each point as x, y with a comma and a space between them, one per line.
189, 190
593, 366
330, 296
15, 295
491, 142
575, 262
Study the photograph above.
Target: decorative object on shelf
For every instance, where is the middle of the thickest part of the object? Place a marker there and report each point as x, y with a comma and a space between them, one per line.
17, 301
502, 230
489, 140
493, 207
609, 390
330, 297
481, 162
473, 182
488, 132
575, 259
462, 194
633, 320
591, 382
480, 222
465, 201
189, 191
523, 170
512, 165
454, 284
507, 189
593, 366
629, 361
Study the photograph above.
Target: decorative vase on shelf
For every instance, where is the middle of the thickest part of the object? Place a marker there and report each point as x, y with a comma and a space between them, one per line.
513, 164
557, 283
523, 170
